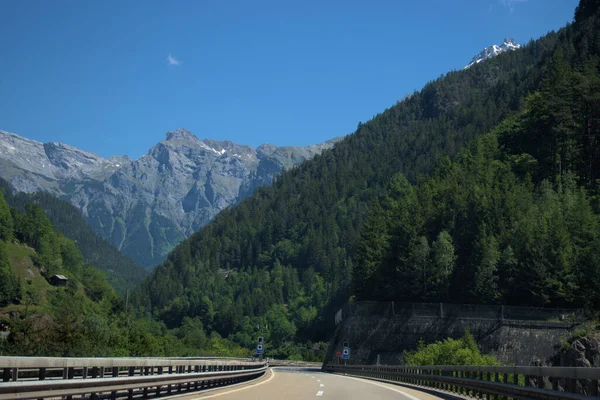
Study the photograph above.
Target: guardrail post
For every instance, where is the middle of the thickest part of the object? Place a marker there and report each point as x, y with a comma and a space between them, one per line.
101, 372
593, 387
554, 383
131, 372
497, 380
15, 374
572, 385
179, 370
189, 384
42, 374
454, 387
6, 375
114, 373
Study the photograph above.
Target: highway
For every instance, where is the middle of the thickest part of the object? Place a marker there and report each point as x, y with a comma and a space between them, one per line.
302, 384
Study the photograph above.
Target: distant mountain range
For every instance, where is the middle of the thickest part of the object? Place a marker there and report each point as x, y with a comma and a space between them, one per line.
493, 51
145, 207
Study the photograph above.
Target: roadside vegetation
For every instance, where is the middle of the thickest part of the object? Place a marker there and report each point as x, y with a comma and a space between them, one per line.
463, 351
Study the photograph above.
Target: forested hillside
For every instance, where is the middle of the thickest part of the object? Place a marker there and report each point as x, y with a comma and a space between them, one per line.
293, 248
84, 318
121, 271
514, 219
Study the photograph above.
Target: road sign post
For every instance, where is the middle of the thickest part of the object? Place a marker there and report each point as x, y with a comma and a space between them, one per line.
260, 348
346, 352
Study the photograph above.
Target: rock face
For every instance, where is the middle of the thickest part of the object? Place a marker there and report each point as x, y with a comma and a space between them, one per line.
582, 352
146, 206
493, 51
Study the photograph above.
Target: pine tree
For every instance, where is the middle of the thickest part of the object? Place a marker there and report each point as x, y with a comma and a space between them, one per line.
486, 278
443, 260
6, 221
372, 249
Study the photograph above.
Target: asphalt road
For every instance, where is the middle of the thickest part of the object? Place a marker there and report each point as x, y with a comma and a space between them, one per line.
302, 384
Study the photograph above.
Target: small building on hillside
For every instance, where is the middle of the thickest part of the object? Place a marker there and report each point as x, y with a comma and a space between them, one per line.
4, 331
58, 280
224, 272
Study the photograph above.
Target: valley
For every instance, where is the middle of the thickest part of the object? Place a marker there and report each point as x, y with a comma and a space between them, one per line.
479, 191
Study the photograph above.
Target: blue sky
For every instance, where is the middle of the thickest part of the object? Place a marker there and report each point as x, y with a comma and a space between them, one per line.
112, 77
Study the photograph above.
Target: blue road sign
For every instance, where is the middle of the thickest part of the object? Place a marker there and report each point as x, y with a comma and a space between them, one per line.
346, 353
260, 349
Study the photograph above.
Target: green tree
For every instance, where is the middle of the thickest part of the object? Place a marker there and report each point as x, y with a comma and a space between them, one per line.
443, 261
34, 226
10, 287
372, 249
486, 276
6, 221
421, 257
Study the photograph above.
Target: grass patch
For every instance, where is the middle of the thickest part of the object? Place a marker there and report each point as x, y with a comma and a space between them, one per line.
20, 259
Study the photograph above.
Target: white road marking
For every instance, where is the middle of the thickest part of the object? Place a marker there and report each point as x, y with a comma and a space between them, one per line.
313, 377
410, 396
318, 380
320, 393
322, 385
233, 391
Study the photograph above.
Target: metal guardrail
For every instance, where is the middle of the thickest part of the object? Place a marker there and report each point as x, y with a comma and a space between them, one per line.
38, 378
488, 382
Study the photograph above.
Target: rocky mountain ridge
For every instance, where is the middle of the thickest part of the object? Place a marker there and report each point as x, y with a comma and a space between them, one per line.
493, 51
146, 206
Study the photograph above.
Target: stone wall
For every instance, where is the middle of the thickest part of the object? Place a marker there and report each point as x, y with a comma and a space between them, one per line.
387, 330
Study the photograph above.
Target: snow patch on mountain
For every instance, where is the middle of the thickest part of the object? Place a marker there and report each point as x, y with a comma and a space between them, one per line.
493, 51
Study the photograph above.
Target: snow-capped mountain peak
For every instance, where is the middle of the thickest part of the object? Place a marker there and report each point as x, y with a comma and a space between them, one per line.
493, 51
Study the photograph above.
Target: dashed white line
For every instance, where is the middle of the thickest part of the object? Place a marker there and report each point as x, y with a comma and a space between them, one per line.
322, 385
318, 380
320, 393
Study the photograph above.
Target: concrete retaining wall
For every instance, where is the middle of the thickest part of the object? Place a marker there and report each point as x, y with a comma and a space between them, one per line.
515, 342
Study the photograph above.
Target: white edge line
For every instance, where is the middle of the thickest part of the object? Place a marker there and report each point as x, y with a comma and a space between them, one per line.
200, 397
410, 396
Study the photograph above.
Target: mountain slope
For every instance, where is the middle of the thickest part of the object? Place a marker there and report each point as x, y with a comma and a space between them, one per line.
145, 207
121, 272
307, 224
84, 317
